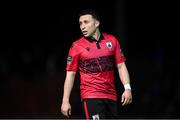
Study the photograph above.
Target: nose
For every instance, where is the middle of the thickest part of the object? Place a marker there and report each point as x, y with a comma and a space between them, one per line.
82, 27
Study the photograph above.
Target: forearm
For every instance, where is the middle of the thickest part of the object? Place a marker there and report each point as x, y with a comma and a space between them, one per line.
68, 85
123, 73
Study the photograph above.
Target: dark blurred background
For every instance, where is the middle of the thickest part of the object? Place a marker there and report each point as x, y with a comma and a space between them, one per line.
35, 39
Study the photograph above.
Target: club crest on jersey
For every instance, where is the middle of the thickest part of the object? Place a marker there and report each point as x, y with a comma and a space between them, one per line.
109, 45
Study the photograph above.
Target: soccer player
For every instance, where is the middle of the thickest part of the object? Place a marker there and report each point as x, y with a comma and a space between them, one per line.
95, 55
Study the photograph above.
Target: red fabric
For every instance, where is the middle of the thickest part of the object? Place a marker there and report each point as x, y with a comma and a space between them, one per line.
96, 65
86, 110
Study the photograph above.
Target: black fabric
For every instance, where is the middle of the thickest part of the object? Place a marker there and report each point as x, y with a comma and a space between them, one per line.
97, 65
91, 39
104, 108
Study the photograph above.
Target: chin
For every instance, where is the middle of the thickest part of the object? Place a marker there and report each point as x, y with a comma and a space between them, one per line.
86, 35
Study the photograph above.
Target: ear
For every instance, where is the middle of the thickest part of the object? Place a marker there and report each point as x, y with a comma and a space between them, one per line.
97, 23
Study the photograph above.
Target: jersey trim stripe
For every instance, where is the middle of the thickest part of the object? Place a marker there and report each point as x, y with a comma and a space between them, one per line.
86, 110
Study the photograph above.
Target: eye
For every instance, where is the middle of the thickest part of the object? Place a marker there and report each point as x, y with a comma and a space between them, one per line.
86, 21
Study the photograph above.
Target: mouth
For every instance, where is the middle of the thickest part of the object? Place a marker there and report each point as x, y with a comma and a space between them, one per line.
85, 32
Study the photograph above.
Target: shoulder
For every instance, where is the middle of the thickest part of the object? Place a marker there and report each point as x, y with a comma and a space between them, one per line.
109, 36
77, 43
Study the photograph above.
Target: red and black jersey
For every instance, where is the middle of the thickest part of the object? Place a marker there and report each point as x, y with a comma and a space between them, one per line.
96, 61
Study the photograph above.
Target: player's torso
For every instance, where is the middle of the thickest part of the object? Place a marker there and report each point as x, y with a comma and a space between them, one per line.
96, 58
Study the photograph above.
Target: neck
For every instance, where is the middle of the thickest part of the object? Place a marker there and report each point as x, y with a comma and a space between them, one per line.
96, 34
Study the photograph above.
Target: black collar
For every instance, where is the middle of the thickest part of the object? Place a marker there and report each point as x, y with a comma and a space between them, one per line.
91, 39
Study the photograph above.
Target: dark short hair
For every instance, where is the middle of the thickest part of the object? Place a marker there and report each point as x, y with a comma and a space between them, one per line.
91, 12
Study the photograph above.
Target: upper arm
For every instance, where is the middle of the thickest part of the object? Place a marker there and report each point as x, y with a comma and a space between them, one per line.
119, 56
70, 75
121, 65
73, 58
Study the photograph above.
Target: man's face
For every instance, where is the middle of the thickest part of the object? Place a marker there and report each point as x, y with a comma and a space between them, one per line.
88, 25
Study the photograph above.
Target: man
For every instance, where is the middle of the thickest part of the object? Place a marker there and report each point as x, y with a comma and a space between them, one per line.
95, 55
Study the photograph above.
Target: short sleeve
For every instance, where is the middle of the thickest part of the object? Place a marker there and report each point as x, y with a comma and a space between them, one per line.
73, 58
119, 56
